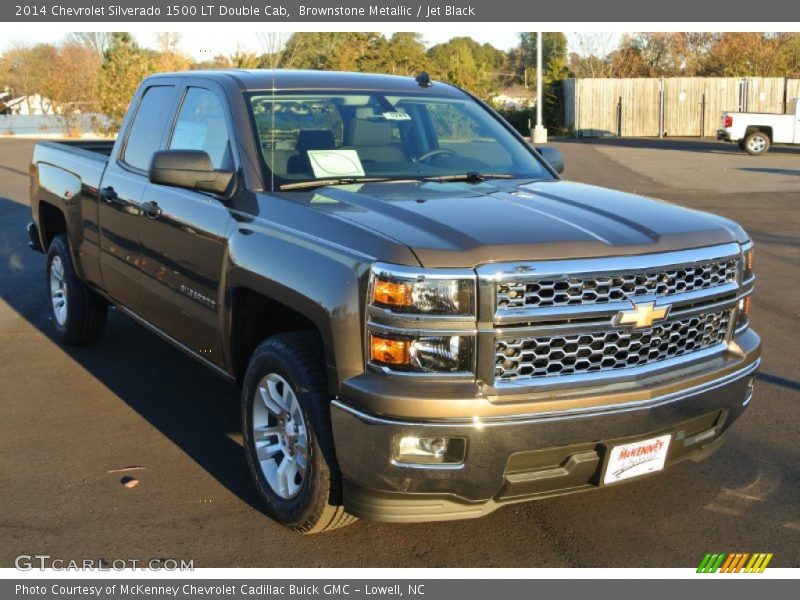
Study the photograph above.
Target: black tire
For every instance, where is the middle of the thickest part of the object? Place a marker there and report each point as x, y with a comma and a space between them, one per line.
756, 143
85, 312
297, 358
740, 143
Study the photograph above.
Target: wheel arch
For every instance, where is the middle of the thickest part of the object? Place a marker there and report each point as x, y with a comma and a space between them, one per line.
759, 128
52, 222
307, 293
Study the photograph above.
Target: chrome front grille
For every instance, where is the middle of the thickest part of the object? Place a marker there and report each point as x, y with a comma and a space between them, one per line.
606, 349
602, 289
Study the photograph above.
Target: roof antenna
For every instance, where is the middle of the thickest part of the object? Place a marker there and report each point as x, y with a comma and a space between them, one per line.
423, 79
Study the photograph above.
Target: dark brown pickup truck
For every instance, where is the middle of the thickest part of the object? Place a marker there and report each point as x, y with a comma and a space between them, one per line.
426, 321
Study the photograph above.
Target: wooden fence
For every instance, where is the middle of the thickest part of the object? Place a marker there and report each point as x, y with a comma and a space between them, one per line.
672, 106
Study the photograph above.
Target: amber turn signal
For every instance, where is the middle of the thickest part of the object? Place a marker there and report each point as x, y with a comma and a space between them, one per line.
391, 293
388, 351
749, 259
747, 305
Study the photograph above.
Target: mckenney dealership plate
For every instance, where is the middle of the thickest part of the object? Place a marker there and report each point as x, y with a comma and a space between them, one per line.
637, 458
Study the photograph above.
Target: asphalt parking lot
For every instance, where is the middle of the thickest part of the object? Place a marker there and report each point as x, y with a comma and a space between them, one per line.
72, 419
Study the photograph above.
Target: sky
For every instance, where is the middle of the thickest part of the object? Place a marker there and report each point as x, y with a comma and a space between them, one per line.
200, 45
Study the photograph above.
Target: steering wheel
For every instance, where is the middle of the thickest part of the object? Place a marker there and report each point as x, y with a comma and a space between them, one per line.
435, 152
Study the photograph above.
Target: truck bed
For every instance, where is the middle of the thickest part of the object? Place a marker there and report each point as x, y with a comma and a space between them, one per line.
85, 159
103, 147
760, 114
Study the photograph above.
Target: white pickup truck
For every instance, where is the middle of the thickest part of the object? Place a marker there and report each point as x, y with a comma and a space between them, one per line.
756, 132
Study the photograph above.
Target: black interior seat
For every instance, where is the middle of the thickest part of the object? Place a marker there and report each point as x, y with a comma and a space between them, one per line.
309, 139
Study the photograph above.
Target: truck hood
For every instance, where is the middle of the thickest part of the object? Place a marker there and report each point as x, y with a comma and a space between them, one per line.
466, 224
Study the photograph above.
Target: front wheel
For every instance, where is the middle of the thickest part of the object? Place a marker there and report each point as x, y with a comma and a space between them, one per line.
756, 143
287, 434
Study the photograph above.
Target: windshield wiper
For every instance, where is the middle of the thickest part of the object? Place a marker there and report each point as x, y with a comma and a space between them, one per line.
341, 181
470, 177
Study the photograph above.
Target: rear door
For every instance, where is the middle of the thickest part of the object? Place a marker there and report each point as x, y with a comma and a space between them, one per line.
184, 246
121, 190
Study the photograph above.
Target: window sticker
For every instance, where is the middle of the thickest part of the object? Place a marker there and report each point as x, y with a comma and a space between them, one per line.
189, 135
396, 116
335, 163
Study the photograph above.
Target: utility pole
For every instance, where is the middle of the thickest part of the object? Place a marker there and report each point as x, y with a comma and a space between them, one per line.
539, 133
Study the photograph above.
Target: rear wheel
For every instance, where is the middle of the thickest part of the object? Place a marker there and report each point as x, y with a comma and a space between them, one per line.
287, 434
756, 143
79, 314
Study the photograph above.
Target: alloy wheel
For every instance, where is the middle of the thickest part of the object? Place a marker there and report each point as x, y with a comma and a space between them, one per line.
280, 436
58, 290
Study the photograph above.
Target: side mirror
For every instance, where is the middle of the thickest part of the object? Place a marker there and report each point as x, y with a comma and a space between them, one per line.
553, 156
191, 169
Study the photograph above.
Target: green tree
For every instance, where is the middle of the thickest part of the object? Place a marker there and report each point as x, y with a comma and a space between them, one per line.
555, 68
402, 54
332, 50
554, 56
124, 66
464, 62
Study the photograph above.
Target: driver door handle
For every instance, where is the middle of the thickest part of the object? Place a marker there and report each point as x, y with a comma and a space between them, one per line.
151, 210
108, 194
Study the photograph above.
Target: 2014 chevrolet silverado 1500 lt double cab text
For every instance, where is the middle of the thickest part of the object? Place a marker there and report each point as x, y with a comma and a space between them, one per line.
425, 320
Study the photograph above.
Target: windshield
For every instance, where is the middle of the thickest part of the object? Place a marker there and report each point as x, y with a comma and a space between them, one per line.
331, 136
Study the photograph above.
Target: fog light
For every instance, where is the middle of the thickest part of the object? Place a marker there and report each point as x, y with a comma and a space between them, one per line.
414, 446
411, 449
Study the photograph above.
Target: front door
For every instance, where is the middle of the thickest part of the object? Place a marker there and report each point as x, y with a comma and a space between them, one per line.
184, 242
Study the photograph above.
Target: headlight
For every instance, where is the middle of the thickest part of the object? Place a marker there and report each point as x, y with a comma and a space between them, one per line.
412, 291
746, 303
423, 353
748, 262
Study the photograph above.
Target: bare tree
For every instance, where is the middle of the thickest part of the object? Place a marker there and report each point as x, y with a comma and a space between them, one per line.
97, 41
168, 41
590, 56
170, 57
278, 52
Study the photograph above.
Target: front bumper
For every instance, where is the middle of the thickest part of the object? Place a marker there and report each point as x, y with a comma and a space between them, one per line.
528, 456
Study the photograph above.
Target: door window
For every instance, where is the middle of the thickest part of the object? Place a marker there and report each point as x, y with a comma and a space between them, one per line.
201, 126
148, 127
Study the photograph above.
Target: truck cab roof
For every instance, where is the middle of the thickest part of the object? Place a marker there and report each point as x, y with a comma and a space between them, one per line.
285, 79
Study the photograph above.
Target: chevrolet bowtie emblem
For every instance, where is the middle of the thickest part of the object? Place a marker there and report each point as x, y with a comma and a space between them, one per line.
642, 315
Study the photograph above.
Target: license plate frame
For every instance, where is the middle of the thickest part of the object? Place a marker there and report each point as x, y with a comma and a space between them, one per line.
632, 460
